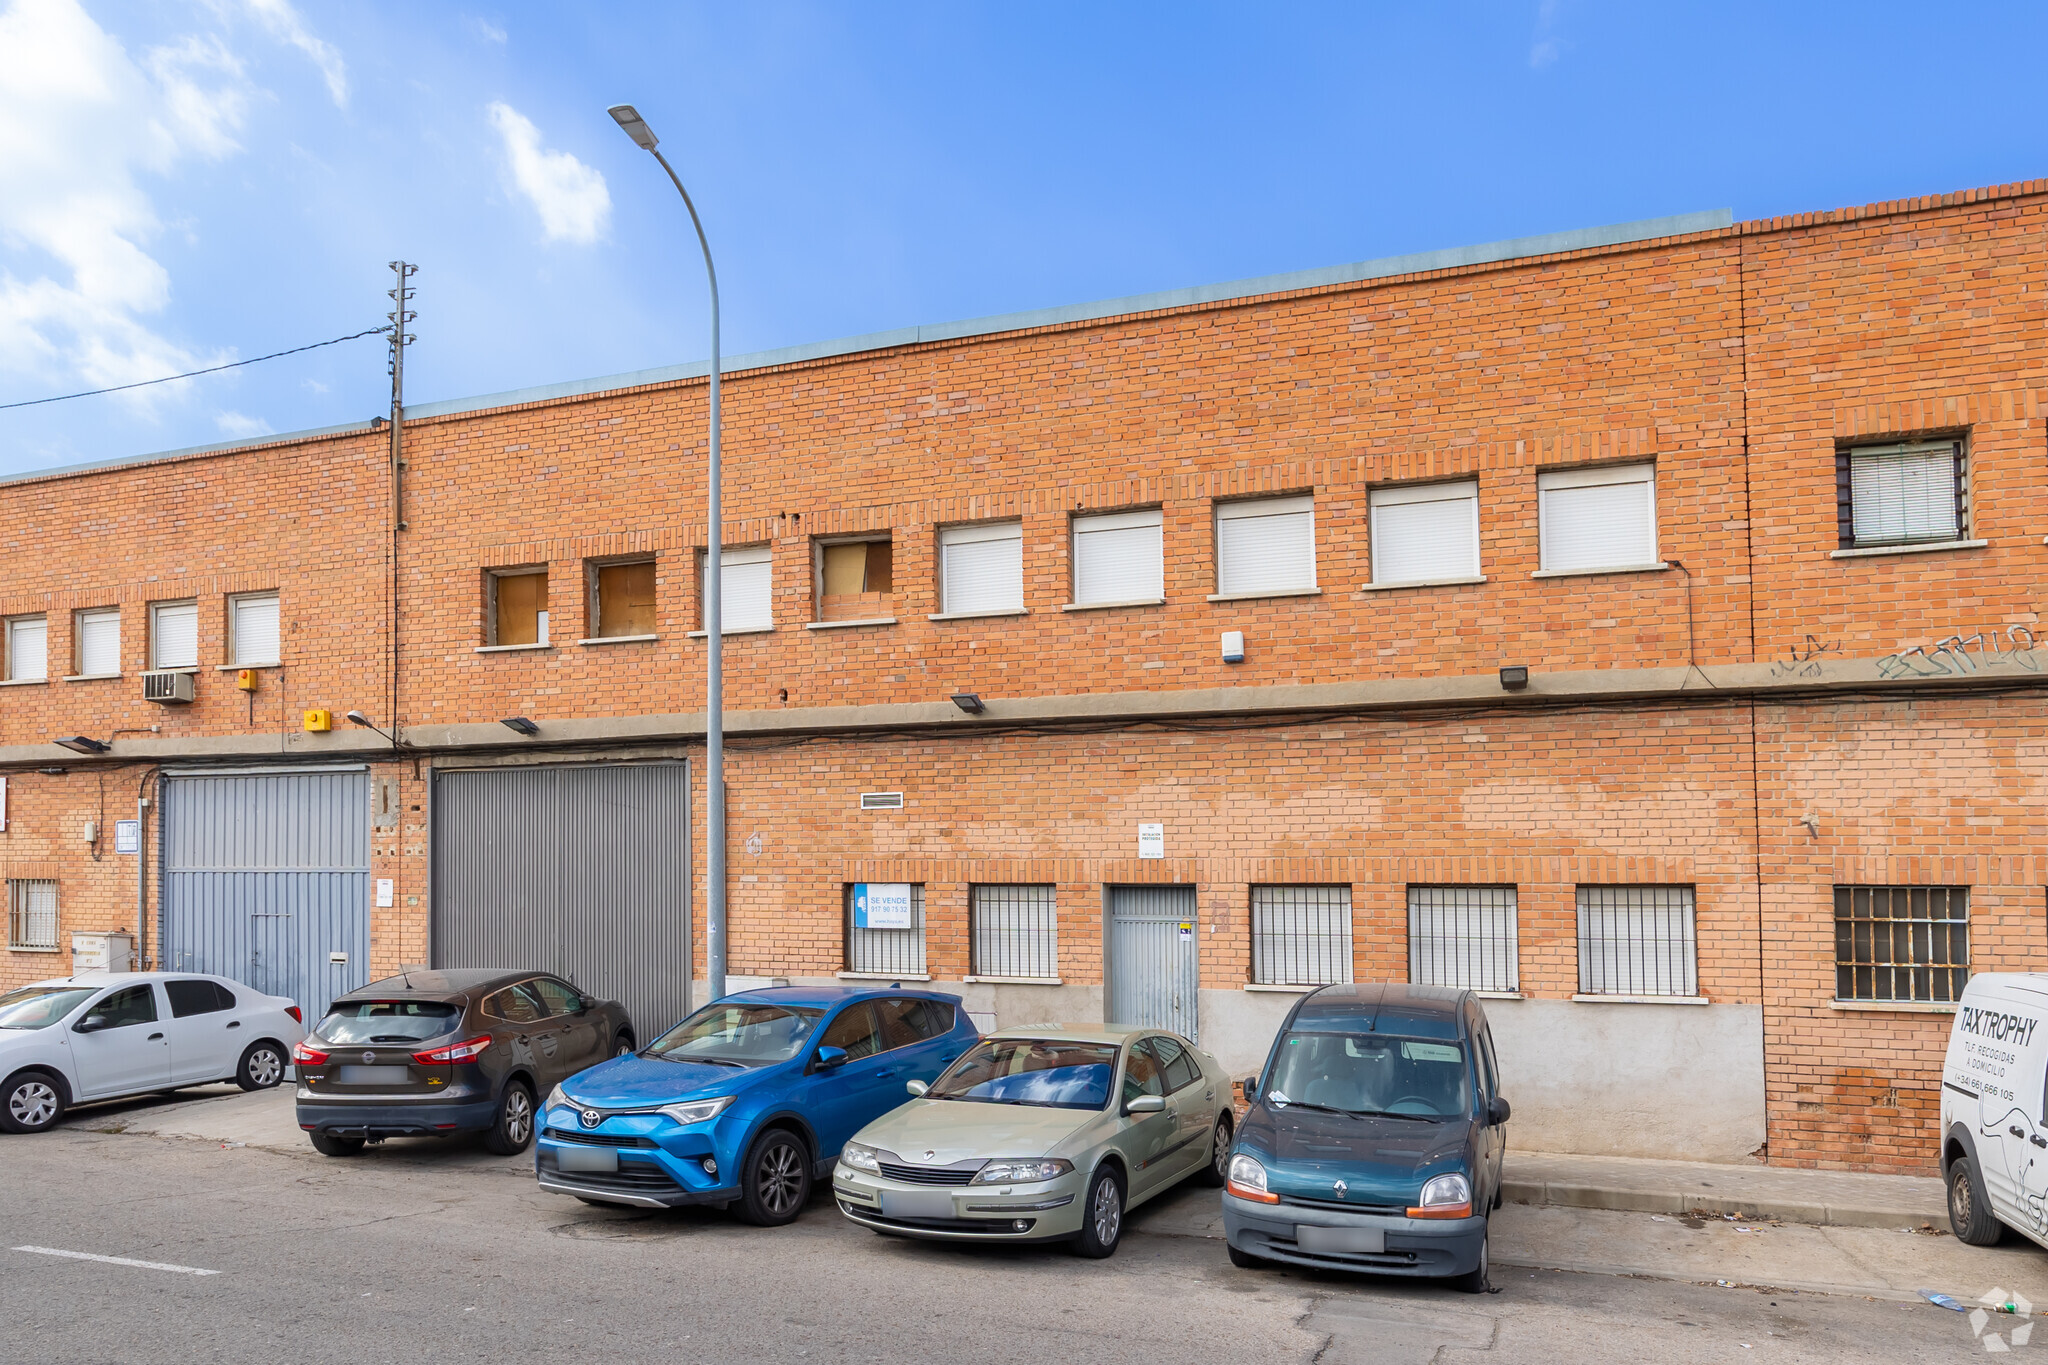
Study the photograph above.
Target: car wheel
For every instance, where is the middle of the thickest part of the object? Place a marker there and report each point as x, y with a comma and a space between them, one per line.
1475, 1280
1217, 1173
31, 1103
1102, 1217
775, 1180
332, 1144
623, 1045
261, 1067
1244, 1260
1969, 1213
512, 1131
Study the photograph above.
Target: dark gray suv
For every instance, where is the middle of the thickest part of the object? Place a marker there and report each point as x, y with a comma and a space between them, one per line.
437, 1054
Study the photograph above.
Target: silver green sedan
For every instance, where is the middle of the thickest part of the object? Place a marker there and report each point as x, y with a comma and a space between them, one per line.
1041, 1135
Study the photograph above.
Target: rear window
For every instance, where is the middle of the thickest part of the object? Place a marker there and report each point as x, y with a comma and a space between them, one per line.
388, 1021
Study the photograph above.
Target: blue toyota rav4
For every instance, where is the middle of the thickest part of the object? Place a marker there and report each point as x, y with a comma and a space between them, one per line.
1374, 1138
748, 1100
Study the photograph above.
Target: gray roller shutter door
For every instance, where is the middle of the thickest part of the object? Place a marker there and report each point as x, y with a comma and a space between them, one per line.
579, 870
266, 879
1154, 964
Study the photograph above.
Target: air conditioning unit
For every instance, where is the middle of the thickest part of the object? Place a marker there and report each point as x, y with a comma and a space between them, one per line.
168, 688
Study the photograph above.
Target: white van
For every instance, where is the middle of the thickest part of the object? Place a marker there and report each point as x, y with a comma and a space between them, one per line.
1994, 1114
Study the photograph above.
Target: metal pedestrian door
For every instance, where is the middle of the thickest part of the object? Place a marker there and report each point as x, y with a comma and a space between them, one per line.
1154, 963
266, 880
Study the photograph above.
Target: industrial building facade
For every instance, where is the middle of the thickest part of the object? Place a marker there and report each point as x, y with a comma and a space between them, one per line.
1637, 626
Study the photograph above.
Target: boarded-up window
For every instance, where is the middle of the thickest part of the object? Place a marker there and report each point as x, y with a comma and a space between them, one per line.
174, 635
856, 581
253, 628
625, 599
98, 637
519, 607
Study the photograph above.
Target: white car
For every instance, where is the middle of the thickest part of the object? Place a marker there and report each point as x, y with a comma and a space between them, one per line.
102, 1035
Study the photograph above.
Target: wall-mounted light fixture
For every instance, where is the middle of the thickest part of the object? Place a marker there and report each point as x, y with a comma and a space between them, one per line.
520, 725
79, 744
358, 718
970, 702
1514, 677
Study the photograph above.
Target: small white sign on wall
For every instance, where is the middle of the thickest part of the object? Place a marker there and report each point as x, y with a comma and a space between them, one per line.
882, 905
127, 836
383, 891
1151, 841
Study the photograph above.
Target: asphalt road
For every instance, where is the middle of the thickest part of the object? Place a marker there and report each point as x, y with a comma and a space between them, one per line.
417, 1251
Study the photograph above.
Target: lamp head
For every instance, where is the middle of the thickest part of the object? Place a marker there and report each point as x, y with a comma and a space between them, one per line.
636, 127
520, 725
80, 744
970, 702
1514, 677
358, 718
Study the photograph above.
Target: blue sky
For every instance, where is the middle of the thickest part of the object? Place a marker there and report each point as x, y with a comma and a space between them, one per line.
187, 183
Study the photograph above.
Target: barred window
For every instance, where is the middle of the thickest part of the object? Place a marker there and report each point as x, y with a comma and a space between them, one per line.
1464, 936
1637, 940
1301, 935
32, 915
1015, 931
887, 951
1901, 494
1901, 942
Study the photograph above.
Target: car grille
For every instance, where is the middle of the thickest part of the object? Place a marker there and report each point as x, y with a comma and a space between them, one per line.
631, 1178
1397, 1210
929, 1175
999, 1227
595, 1139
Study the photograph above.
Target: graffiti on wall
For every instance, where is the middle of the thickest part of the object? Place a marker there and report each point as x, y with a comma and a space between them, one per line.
1960, 656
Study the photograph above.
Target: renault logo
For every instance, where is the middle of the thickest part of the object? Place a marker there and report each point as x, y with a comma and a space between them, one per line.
1341, 1188
590, 1118
369, 1057
929, 1155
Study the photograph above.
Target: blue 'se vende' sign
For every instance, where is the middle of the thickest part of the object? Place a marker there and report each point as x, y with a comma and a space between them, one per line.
881, 905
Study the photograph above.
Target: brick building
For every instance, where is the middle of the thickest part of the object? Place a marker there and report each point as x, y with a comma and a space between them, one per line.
1235, 573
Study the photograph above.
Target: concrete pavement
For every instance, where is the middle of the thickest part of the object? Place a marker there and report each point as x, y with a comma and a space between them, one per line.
1836, 1198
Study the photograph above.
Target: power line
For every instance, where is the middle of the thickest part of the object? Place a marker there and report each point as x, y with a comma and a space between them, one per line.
216, 369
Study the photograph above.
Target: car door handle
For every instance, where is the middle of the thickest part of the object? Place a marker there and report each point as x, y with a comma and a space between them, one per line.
2039, 1141
236, 1024
158, 1038
2015, 1132
884, 1075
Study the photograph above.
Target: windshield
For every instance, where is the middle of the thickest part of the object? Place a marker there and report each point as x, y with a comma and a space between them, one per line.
1371, 1073
742, 1034
388, 1021
1054, 1075
40, 1006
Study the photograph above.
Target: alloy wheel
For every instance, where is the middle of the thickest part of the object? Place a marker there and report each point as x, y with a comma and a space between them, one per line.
518, 1116
781, 1176
1108, 1213
1220, 1158
266, 1068
33, 1104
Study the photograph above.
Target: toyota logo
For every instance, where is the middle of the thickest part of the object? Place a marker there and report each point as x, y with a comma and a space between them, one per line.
1341, 1188
590, 1118
369, 1057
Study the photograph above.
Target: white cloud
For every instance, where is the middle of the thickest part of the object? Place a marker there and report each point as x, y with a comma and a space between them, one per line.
239, 425
1547, 47
284, 24
313, 386
571, 198
486, 30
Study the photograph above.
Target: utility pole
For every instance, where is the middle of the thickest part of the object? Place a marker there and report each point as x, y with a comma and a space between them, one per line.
401, 318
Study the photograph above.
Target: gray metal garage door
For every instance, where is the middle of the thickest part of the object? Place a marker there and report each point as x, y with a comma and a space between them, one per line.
1154, 964
579, 870
266, 880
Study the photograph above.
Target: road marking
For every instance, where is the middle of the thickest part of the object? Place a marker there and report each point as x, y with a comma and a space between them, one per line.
117, 1260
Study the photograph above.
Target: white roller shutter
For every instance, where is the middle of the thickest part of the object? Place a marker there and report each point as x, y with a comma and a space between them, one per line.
1904, 493
28, 654
1265, 546
981, 569
1117, 558
1603, 518
1425, 533
744, 597
174, 635
99, 643
256, 629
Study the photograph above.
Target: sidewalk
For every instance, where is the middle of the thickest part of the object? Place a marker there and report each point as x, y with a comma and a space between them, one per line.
1786, 1193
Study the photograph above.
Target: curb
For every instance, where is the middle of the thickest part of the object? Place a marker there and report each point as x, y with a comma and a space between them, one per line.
1670, 1200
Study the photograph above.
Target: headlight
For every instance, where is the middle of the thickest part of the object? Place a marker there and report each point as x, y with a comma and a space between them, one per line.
697, 1111
556, 1097
1447, 1189
1248, 1177
1021, 1172
860, 1157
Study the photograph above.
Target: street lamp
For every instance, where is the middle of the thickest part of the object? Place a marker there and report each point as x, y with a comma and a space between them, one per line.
636, 128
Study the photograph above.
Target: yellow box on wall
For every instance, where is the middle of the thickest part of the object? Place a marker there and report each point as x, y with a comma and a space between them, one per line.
246, 679
317, 721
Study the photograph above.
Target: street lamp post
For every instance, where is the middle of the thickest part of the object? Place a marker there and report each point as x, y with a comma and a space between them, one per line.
714, 612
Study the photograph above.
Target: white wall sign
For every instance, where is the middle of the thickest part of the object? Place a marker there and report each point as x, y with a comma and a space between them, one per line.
383, 890
881, 905
127, 836
1151, 841
3, 803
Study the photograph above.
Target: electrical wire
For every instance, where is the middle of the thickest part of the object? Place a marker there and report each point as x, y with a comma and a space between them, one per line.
193, 374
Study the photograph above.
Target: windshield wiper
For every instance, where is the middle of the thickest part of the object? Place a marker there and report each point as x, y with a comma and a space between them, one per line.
1328, 1109
686, 1060
1390, 1114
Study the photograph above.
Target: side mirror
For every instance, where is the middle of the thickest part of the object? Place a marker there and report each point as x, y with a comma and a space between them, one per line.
916, 1087
92, 1023
831, 1057
1146, 1104
1497, 1111
1251, 1088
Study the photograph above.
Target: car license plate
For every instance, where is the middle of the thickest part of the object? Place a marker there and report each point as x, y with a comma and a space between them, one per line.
917, 1204
376, 1075
1351, 1241
587, 1158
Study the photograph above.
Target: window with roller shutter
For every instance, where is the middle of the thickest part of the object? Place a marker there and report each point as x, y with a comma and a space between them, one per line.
1118, 559
1266, 547
1904, 494
1425, 533
745, 585
981, 569
253, 629
28, 654
1596, 519
174, 635
96, 635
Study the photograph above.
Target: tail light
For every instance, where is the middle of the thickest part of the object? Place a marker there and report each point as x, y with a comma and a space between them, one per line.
467, 1051
308, 1055
297, 1018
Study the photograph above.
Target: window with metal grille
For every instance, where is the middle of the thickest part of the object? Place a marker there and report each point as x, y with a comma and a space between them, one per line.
32, 915
1301, 935
1015, 931
1464, 936
1901, 494
886, 950
1901, 942
1637, 940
